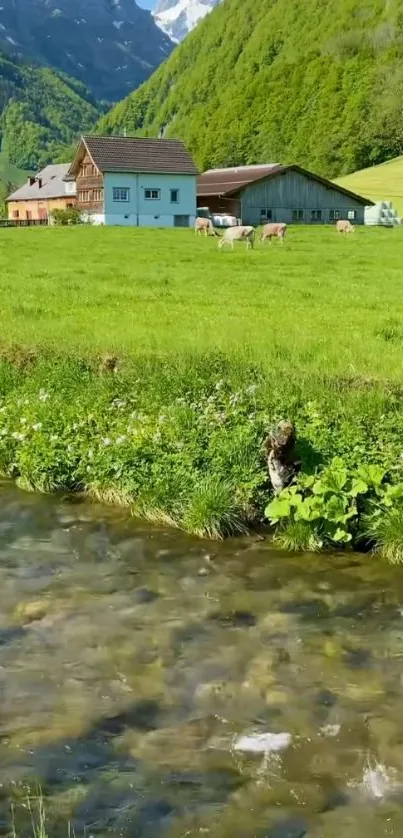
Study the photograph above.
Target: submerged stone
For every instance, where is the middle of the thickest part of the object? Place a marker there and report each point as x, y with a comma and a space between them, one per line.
288, 828
235, 619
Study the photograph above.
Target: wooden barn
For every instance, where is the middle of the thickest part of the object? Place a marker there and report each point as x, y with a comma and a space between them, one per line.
272, 192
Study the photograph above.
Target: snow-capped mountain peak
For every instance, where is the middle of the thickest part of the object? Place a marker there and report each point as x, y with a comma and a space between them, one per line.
178, 17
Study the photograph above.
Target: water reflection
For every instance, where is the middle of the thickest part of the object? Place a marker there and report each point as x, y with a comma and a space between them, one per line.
158, 685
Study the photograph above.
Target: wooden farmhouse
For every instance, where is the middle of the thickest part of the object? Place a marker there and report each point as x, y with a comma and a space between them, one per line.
43, 193
135, 182
259, 194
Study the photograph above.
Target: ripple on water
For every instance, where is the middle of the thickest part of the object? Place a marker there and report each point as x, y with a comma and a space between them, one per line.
127, 677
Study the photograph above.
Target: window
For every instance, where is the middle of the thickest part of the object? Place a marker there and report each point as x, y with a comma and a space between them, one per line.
121, 193
174, 196
298, 215
153, 194
98, 195
266, 215
316, 215
16, 214
352, 215
84, 196
334, 215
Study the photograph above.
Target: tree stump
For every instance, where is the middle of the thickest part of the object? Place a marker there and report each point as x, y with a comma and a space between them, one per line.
281, 460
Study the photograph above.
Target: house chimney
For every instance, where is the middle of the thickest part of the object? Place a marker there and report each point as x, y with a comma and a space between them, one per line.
31, 181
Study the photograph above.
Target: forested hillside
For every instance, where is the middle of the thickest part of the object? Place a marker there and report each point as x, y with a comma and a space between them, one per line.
39, 111
318, 82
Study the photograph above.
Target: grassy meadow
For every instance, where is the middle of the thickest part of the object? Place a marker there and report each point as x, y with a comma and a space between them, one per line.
322, 304
379, 183
213, 348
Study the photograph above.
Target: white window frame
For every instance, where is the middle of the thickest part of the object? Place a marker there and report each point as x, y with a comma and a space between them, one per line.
316, 215
177, 201
266, 215
334, 215
352, 215
154, 194
121, 194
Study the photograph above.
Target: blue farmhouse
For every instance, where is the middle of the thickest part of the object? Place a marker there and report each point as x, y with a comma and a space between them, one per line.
135, 182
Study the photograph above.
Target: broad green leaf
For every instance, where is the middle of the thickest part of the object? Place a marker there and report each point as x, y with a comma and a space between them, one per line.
342, 536
336, 508
358, 487
371, 474
311, 509
277, 508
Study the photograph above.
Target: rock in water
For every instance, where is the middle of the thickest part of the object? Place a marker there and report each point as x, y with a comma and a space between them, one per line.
262, 743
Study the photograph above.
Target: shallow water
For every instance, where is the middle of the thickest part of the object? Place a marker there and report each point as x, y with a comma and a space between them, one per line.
143, 675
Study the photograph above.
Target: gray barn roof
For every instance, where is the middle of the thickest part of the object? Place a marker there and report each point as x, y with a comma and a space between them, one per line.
232, 181
136, 154
53, 185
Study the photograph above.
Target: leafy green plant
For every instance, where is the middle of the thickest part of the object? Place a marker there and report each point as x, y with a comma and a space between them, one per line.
334, 503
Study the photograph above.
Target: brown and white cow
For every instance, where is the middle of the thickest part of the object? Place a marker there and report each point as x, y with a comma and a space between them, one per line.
273, 231
344, 227
204, 225
235, 234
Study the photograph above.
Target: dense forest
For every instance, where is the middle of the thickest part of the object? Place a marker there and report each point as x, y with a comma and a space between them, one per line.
318, 82
40, 111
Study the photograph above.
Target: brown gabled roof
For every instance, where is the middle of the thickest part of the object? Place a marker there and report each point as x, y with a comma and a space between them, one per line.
225, 181
230, 182
136, 154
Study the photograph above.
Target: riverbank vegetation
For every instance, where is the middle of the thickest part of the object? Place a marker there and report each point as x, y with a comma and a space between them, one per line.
146, 368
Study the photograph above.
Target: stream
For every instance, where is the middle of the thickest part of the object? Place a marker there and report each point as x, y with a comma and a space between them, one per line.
152, 684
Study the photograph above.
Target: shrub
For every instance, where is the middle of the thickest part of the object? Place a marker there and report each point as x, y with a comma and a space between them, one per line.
67, 217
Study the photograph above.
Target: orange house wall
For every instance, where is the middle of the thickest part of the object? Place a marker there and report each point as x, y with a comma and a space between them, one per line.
33, 207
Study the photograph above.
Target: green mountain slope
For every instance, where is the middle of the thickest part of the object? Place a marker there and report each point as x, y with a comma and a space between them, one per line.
318, 82
40, 110
381, 183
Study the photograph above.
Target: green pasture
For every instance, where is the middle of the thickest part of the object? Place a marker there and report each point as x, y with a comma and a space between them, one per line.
322, 303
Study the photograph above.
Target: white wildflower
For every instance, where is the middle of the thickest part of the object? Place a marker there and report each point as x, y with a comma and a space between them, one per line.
3, 432
106, 441
162, 418
157, 437
23, 420
88, 468
37, 426
119, 404
19, 437
2, 409
43, 395
54, 438
251, 390
121, 439
90, 453
220, 384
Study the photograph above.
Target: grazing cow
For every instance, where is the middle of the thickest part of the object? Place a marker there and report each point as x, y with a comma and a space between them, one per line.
204, 225
273, 231
235, 234
344, 227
